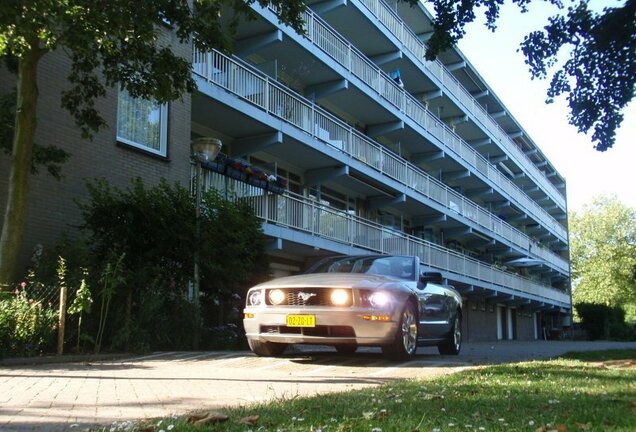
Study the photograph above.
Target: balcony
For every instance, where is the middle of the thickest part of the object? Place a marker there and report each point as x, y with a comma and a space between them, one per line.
304, 215
347, 56
412, 44
265, 93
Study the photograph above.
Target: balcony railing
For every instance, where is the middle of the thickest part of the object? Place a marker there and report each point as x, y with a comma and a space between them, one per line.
349, 57
412, 43
319, 220
277, 100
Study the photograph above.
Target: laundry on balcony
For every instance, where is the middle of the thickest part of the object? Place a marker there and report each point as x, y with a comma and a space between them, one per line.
396, 76
324, 135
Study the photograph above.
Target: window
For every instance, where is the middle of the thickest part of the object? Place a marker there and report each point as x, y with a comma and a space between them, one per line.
142, 123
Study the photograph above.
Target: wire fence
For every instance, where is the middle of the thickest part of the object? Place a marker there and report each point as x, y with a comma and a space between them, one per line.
48, 296
46, 300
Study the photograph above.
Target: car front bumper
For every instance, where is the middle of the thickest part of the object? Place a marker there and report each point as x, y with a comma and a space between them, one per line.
333, 326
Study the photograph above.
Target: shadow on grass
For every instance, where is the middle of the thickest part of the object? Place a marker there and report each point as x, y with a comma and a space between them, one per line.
594, 356
558, 394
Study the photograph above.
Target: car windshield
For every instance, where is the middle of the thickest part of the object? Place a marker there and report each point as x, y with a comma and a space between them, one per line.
402, 267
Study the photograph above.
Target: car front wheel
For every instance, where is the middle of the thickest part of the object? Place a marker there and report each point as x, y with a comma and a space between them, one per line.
453, 343
404, 345
266, 349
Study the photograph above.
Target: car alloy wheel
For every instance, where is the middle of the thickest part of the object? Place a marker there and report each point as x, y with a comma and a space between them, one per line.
457, 335
404, 345
453, 342
409, 330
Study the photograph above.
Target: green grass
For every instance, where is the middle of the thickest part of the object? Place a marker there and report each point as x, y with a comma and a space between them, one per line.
597, 356
566, 394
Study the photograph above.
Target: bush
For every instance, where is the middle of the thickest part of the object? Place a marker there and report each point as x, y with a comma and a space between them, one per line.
27, 326
224, 337
135, 264
164, 319
65, 264
603, 322
153, 232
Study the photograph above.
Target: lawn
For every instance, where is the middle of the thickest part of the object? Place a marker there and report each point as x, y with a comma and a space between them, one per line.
579, 392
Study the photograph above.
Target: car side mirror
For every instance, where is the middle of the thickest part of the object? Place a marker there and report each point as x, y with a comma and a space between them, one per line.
435, 277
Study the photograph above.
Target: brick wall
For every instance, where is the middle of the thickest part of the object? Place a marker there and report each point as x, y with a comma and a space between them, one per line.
52, 209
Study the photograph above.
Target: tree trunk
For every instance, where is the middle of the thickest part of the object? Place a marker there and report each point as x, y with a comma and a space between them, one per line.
21, 156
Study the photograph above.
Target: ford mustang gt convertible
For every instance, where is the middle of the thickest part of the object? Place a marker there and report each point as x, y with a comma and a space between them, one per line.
384, 301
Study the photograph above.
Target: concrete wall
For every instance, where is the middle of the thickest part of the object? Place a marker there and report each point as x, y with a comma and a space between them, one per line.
51, 208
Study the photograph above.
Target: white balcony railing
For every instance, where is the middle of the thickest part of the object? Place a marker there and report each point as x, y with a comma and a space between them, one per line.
394, 24
277, 100
339, 49
345, 54
319, 220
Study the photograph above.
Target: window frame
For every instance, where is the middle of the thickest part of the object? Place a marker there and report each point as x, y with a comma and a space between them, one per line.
163, 128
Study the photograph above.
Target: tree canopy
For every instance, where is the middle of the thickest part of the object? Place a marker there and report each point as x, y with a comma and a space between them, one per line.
599, 76
109, 43
603, 253
117, 42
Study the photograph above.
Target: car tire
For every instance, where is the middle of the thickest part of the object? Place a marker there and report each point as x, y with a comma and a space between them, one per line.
346, 349
266, 349
404, 344
453, 342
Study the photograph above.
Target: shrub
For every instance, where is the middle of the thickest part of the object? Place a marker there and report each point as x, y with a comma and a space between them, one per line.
27, 326
603, 322
137, 257
65, 264
226, 336
154, 232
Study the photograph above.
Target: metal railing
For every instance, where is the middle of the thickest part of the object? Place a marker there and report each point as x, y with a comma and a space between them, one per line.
277, 100
317, 219
394, 24
345, 54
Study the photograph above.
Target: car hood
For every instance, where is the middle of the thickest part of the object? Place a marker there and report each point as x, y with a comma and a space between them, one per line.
333, 280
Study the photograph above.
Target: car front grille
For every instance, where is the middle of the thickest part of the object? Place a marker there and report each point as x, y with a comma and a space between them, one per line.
307, 297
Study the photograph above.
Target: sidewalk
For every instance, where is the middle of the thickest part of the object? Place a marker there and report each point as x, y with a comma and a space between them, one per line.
66, 358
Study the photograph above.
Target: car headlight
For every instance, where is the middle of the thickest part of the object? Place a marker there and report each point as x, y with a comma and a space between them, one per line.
379, 299
255, 298
339, 297
276, 296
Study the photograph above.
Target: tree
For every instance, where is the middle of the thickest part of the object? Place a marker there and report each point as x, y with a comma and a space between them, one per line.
603, 253
115, 42
599, 75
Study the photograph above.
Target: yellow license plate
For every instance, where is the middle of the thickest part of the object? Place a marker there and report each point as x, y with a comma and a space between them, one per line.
301, 320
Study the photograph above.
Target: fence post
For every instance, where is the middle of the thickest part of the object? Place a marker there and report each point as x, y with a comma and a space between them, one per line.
61, 321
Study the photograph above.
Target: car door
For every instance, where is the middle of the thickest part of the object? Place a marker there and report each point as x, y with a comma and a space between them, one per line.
433, 310
453, 303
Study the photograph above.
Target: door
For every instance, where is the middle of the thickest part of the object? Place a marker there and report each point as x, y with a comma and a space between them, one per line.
433, 311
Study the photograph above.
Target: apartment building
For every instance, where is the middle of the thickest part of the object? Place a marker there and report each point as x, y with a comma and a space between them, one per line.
347, 141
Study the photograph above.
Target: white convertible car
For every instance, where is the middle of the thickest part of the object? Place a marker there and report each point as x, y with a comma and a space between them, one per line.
352, 301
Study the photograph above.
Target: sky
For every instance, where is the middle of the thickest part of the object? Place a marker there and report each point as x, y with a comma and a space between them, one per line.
588, 172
